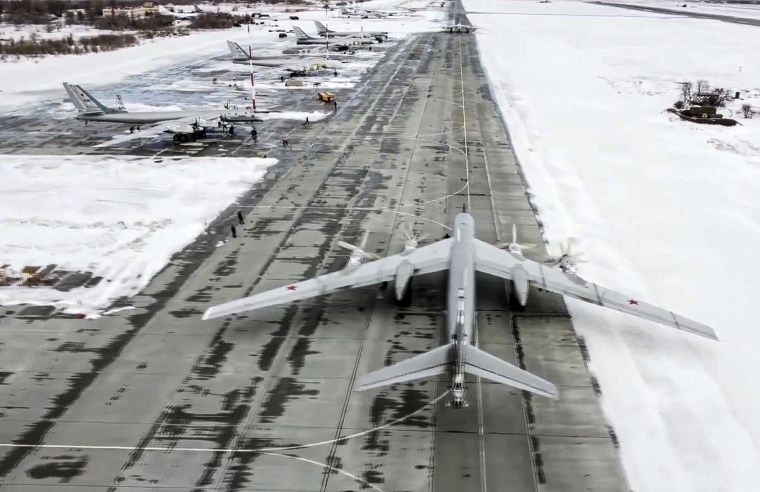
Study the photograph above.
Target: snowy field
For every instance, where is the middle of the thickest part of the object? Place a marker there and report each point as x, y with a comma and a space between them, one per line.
664, 209
117, 217
744, 11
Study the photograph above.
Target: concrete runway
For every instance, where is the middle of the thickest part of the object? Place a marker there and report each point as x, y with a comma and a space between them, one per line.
156, 399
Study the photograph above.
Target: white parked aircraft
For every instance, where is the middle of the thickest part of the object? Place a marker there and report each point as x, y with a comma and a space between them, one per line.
303, 38
462, 255
186, 125
323, 31
292, 64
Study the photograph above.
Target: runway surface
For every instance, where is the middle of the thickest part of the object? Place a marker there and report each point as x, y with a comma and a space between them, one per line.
156, 399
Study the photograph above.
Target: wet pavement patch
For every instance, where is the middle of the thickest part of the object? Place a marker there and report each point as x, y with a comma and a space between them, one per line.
286, 389
63, 467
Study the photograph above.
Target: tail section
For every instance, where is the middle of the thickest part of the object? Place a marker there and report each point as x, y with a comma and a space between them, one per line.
421, 366
485, 365
440, 360
300, 34
84, 102
238, 53
321, 28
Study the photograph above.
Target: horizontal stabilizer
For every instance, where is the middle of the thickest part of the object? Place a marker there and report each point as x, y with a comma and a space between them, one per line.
421, 366
485, 365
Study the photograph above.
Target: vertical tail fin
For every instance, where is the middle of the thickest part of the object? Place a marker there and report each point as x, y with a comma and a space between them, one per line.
84, 102
91, 103
321, 28
300, 34
238, 53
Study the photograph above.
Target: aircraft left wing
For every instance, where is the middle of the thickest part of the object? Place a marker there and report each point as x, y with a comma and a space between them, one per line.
428, 259
494, 261
171, 126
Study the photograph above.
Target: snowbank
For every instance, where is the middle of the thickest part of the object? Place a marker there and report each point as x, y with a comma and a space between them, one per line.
665, 210
117, 217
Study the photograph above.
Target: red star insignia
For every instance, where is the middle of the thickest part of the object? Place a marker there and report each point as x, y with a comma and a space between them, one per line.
291, 287
633, 302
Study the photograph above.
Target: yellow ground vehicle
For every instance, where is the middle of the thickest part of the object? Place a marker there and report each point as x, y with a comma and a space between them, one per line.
326, 96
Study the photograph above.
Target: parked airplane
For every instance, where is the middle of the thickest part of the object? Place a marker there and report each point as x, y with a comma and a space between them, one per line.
322, 30
180, 15
300, 64
460, 28
463, 255
303, 38
187, 125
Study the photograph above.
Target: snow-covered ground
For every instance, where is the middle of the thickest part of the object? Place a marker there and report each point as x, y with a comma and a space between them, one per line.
117, 217
25, 31
745, 11
665, 210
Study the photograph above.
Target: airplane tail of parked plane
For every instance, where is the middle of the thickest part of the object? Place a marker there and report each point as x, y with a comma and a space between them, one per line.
321, 28
238, 53
300, 34
442, 359
84, 102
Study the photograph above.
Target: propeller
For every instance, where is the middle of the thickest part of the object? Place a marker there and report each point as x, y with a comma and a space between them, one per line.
357, 252
412, 237
567, 262
513, 246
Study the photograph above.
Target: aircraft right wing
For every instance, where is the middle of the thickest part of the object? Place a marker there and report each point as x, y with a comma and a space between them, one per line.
494, 261
428, 259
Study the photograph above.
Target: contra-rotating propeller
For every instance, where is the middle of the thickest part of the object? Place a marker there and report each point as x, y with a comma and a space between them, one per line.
567, 262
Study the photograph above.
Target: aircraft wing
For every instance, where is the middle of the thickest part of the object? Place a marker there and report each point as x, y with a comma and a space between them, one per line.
494, 261
154, 130
428, 259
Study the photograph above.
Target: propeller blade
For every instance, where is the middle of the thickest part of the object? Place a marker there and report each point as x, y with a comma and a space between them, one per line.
344, 244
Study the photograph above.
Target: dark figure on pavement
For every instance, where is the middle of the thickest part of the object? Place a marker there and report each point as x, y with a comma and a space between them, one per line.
240, 217
285, 142
232, 129
307, 120
335, 105
234, 231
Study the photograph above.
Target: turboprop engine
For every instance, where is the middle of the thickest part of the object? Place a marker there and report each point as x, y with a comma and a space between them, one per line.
520, 285
403, 282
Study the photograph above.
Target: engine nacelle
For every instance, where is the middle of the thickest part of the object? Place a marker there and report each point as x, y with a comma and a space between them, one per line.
520, 285
404, 273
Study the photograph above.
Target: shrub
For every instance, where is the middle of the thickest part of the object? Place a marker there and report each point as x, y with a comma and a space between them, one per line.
678, 104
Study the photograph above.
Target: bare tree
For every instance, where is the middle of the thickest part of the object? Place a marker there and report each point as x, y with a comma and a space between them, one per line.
747, 109
686, 92
703, 86
721, 95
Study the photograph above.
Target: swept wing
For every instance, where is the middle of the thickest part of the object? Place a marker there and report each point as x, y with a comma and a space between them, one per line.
494, 261
428, 259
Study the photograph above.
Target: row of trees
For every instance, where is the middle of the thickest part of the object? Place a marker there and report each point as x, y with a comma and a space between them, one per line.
68, 45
